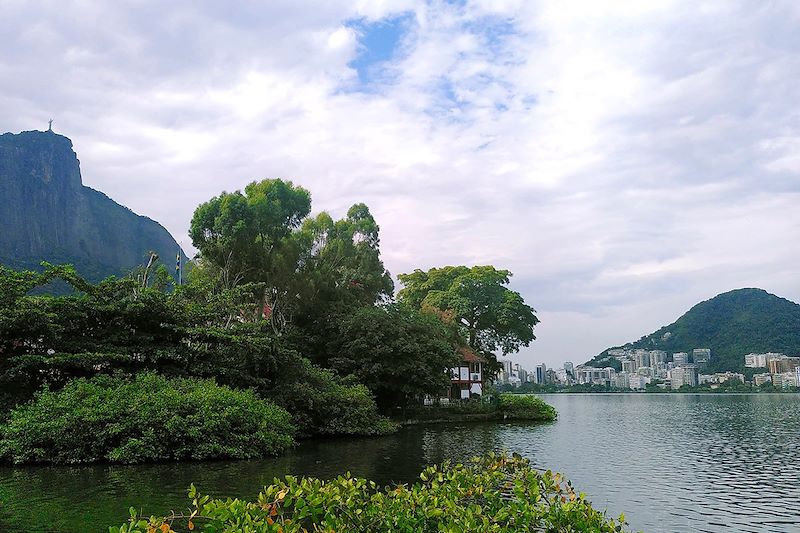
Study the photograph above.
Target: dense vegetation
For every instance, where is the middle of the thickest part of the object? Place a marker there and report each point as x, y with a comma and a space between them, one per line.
505, 406
494, 493
547, 388
519, 407
732, 324
147, 418
297, 310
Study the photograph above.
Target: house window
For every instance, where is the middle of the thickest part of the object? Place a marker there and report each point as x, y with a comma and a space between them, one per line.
474, 368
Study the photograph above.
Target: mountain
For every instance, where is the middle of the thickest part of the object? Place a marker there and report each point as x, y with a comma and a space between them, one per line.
732, 324
47, 214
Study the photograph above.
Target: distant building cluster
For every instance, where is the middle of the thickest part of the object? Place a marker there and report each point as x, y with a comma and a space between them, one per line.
515, 375
642, 367
782, 371
639, 369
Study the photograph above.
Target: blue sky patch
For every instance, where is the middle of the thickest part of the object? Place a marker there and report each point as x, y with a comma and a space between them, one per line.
379, 42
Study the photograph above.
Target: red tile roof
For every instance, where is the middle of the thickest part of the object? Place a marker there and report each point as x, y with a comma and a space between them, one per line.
468, 355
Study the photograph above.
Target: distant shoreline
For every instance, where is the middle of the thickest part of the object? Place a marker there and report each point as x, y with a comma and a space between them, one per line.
643, 393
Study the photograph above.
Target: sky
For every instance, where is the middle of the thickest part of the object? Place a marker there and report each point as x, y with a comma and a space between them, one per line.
625, 160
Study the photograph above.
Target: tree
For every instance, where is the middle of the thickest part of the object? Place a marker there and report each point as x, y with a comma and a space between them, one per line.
340, 260
491, 316
339, 271
400, 354
248, 237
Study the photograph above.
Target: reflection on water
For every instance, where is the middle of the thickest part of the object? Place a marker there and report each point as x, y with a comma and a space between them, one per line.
670, 462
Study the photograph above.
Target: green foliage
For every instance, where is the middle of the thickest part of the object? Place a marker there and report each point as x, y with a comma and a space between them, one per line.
300, 268
150, 418
494, 493
400, 354
462, 411
117, 324
341, 263
120, 327
323, 404
524, 407
492, 316
248, 238
732, 324
244, 234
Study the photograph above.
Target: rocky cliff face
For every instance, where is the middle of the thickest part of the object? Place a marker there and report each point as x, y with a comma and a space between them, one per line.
46, 214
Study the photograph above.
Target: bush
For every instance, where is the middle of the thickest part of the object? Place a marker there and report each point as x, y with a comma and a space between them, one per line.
525, 407
494, 493
150, 418
323, 404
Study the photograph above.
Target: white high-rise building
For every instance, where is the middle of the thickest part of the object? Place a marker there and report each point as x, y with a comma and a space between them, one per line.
541, 374
680, 358
638, 382
761, 360
760, 379
657, 357
684, 375
628, 365
785, 380
598, 376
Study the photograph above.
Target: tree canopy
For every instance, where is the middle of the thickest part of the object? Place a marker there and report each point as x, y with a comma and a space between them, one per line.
244, 234
491, 316
300, 267
340, 260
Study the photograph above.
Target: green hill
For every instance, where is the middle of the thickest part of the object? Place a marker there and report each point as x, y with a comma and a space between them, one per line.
47, 214
732, 324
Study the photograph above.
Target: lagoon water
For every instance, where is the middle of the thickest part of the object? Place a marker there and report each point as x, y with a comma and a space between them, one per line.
670, 462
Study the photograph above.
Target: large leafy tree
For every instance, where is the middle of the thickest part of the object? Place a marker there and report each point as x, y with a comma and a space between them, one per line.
341, 259
248, 237
491, 316
339, 271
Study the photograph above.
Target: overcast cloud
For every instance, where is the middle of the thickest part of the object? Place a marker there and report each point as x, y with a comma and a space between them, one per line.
625, 161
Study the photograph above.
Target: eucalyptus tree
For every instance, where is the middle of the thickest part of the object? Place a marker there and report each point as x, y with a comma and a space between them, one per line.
249, 238
341, 259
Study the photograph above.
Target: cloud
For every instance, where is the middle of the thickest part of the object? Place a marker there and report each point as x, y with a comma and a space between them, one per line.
625, 160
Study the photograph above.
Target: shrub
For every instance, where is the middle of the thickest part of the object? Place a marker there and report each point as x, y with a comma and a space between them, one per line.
525, 407
323, 404
494, 493
149, 418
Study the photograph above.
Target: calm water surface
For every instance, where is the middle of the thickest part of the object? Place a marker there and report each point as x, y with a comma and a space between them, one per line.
678, 462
